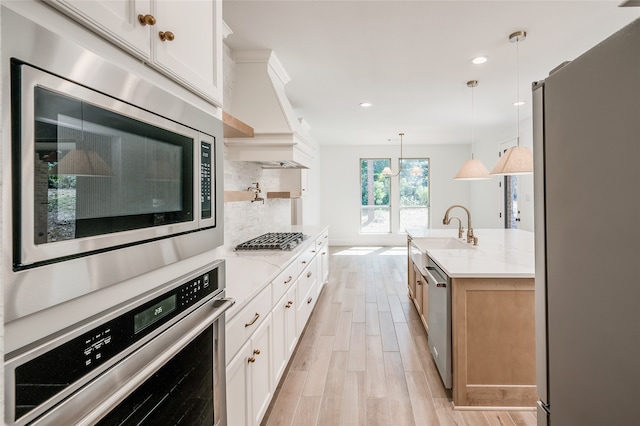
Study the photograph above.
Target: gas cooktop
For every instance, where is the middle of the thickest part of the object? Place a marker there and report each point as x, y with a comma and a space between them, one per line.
273, 241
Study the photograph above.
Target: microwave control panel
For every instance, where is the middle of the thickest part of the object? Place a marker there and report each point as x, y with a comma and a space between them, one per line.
205, 179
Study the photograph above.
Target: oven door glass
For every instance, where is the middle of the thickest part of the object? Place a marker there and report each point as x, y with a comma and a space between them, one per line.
182, 392
95, 172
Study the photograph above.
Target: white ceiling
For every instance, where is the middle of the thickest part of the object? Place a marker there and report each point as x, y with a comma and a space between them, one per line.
412, 60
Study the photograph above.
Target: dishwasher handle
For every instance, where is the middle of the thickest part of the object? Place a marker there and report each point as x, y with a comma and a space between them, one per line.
431, 277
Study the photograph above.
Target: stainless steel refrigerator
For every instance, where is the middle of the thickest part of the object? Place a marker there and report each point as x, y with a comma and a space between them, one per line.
587, 227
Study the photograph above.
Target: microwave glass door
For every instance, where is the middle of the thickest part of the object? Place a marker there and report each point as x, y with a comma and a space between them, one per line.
97, 173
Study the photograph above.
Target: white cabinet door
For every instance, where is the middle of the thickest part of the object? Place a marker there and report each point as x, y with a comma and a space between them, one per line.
194, 56
261, 369
116, 20
291, 336
284, 332
238, 395
190, 51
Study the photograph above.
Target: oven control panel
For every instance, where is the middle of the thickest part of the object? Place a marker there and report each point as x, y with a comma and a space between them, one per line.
36, 380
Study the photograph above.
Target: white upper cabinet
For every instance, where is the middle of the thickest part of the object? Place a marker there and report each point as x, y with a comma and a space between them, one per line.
181, 39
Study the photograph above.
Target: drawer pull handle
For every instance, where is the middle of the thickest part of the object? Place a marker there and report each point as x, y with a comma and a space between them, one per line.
289, 303
304, 261
251, 359
313, 251
249, 324
309, 274
310, 299
324, 252
256, 351
288, 279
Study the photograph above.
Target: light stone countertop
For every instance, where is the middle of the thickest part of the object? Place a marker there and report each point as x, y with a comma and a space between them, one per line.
249, 272
500, 253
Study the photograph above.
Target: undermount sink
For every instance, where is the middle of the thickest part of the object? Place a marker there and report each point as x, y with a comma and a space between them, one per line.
435, 243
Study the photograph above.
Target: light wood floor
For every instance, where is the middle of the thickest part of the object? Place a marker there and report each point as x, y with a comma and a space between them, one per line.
363, 358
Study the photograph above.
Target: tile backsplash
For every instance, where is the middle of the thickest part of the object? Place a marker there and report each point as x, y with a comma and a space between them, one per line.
244, 220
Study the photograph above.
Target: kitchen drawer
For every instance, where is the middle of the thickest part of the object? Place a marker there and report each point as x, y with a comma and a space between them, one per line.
283, 282
322, 239
306, 280
242, 326
304, 259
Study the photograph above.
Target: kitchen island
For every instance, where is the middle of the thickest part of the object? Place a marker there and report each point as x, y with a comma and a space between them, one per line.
492, 311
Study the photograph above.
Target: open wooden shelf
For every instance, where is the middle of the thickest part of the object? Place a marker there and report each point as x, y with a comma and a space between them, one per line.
230, 196
284, 194
234, 128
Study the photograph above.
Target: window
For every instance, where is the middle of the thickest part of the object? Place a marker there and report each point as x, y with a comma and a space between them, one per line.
414, 193
374, 205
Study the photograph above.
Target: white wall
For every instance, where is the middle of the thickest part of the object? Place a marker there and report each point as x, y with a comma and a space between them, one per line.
340, 187
486, 197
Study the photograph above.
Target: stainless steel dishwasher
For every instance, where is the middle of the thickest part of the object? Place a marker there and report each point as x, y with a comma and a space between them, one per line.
439, 319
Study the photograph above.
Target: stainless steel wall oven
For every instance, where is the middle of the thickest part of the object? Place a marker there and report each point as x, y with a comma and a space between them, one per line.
157, 359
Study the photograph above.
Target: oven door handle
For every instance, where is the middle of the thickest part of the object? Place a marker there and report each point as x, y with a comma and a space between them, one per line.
143, 363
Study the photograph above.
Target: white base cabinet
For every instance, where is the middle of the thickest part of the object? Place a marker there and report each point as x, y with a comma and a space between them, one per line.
249, 381
258, 357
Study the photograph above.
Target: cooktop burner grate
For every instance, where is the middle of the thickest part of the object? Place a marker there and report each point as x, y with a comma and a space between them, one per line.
273, 241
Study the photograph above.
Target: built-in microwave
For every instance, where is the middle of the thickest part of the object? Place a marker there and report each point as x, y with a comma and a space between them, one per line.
111, 172
95, 173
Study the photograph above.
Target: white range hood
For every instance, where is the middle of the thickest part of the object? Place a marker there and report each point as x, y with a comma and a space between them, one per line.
280, 139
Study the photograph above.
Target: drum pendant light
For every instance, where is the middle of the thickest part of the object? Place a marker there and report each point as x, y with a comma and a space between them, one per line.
472, 169
518, 160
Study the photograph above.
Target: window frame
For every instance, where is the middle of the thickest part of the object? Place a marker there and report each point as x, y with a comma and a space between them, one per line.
398, 195
390, 196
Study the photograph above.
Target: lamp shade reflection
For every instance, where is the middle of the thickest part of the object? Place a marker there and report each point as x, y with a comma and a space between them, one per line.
82, 162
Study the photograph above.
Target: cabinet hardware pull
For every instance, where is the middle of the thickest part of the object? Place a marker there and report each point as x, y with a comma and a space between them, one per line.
256, 351
304, 261
166, 36
313, 251
146, 20
309, 274
254, 320
324, 252
288, 279
289, 303
251, 359
310, 299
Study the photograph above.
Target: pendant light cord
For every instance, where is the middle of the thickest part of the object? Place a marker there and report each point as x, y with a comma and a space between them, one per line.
518, 89
472, 122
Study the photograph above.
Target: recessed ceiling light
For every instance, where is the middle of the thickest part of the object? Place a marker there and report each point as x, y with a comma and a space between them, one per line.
365, 104
518, 103
480, 60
